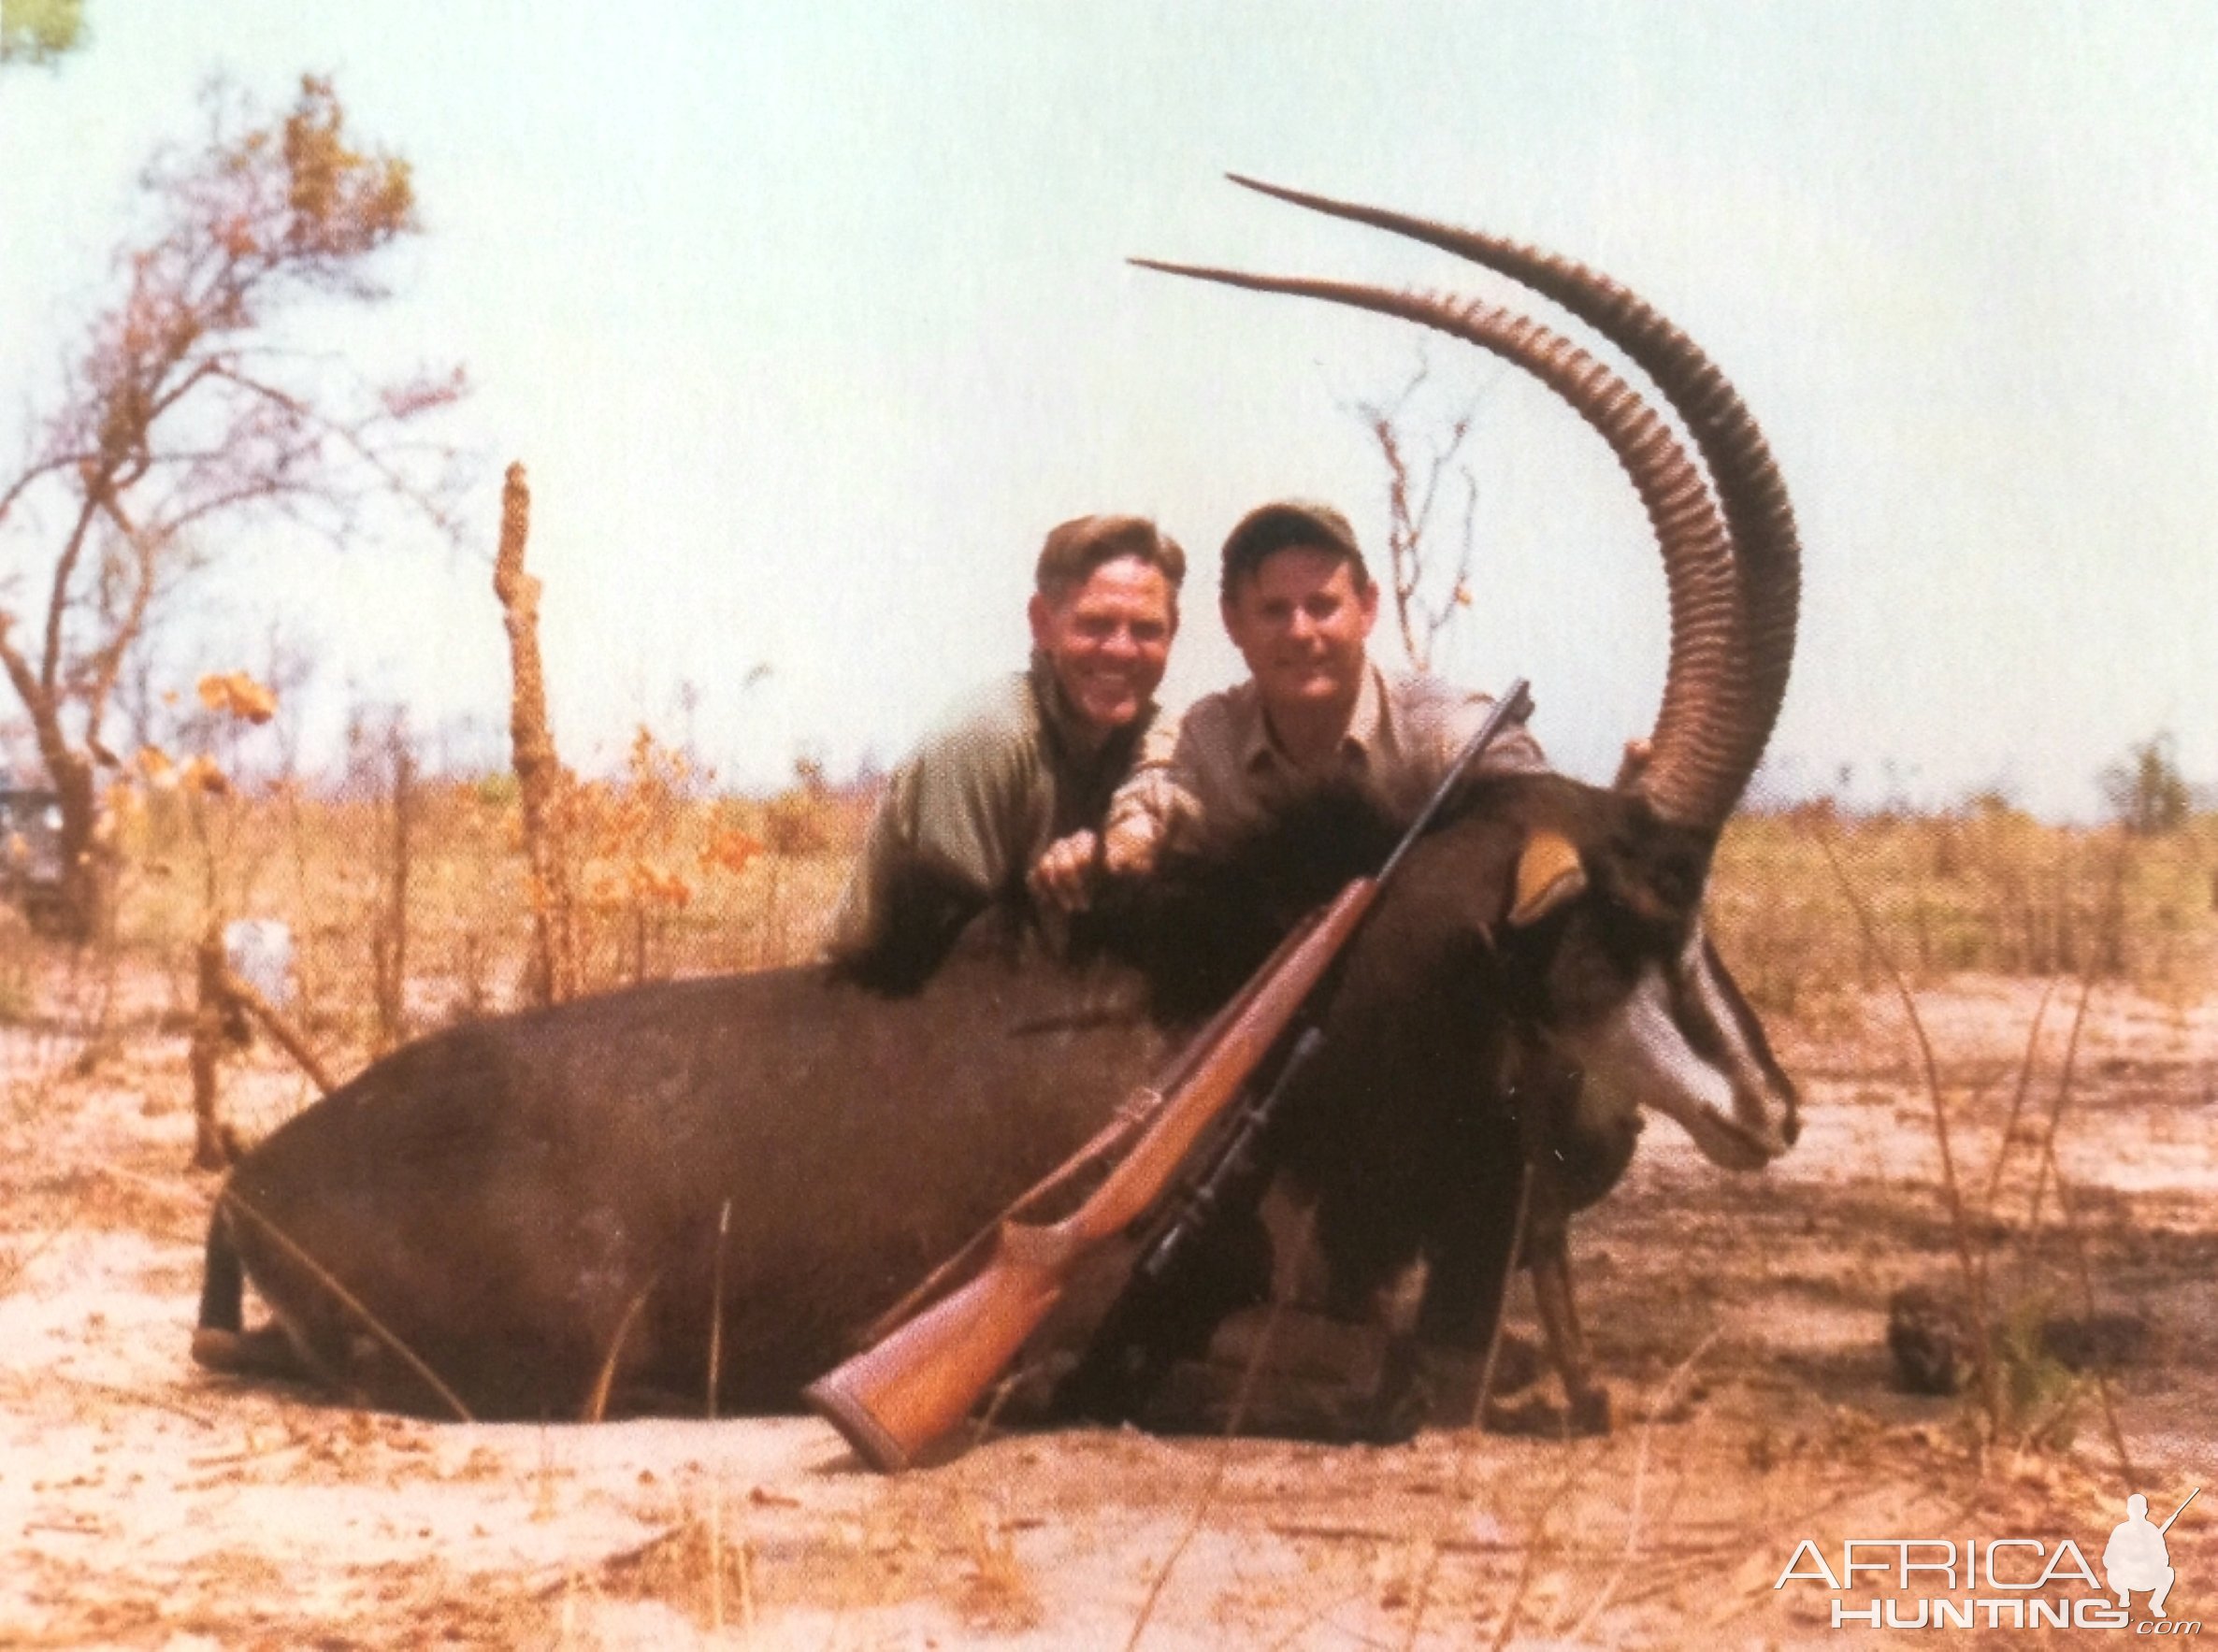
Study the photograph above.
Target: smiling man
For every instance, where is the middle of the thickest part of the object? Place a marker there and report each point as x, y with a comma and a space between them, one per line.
1300, 605
1013, 786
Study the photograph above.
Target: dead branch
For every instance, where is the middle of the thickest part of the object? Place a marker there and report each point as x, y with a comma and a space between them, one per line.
389, 930
1419, 549
539, 778
223, 999
281, 1031
213, 1148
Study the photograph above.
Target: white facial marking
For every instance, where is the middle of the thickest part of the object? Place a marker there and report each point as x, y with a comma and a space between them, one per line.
1642, 1052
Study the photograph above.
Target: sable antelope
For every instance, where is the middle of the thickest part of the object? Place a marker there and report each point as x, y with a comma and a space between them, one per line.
523, 1217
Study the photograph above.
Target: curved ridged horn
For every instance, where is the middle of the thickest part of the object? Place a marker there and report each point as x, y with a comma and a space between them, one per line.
1753, 496
1690, 768
1741, 708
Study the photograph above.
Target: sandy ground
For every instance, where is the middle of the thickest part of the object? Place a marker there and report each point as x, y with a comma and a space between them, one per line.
1740, 1322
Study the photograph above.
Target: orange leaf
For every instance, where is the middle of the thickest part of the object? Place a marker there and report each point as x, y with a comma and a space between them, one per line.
201, 774
651, 882
237, 695
730, 849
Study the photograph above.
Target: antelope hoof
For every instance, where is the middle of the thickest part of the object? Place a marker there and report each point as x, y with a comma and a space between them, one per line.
218, 1350
1585, 1415
264, 1352
1588, 1413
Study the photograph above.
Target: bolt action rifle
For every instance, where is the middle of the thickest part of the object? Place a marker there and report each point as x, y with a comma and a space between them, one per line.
927, 1360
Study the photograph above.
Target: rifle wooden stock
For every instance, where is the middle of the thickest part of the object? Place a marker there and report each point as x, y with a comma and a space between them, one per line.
909, 1389
894, 1400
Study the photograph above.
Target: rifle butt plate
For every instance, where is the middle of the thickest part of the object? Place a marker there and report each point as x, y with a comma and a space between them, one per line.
857, 1426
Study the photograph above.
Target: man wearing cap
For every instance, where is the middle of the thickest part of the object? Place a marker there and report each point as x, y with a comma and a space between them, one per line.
1316, 710
1021, 774
1300, 604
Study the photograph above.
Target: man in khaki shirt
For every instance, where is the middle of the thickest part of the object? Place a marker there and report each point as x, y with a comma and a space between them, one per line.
1021, 773
1316, 710
1300, 605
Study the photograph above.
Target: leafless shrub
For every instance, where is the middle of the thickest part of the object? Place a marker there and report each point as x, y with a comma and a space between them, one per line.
381, 768
1427, 566
2023, 1396
188, 406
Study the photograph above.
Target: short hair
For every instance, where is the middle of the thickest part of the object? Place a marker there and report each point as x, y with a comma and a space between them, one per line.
1281, 525
1075, 548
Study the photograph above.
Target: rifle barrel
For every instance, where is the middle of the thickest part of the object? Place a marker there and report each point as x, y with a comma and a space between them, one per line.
1515, 706
2180, 1509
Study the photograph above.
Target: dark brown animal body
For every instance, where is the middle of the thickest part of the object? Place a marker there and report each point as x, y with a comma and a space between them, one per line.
507, 1218
523, 1203
536, 1215
1474, 1042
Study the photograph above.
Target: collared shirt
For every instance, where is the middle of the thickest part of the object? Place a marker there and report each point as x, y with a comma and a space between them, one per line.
1005, 775
1217, 768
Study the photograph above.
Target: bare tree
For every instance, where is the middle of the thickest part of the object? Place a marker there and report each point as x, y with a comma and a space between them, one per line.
1428, 561
41, 32
383, 768
191, 405
2146, 792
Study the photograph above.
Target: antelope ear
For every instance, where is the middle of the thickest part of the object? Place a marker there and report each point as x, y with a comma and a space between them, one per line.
1549, 874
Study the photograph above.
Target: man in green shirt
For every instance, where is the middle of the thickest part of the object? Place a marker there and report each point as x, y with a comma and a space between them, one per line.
1011, 788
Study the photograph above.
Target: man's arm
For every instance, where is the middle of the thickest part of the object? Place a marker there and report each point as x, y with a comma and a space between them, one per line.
859, 922
1141, 814
952, 829
1162, 797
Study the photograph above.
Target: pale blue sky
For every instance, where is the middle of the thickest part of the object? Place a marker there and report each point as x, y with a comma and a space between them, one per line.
808, 319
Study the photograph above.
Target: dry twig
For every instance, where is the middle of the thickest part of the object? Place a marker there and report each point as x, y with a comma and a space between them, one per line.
353, 1305
1974, 1273
1666, 1391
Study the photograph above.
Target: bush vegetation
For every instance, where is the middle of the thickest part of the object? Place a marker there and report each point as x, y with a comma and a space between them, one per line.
673, 880
409, 899
1985, 888
678, 878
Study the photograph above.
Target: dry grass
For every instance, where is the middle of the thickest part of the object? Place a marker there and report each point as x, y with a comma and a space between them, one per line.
674, 883
680, 882
1986, 890
1670, 1532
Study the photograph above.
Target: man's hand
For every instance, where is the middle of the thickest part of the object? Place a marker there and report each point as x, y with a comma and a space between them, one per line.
1639, 754
1130, 851
1062, 877
1059, 877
